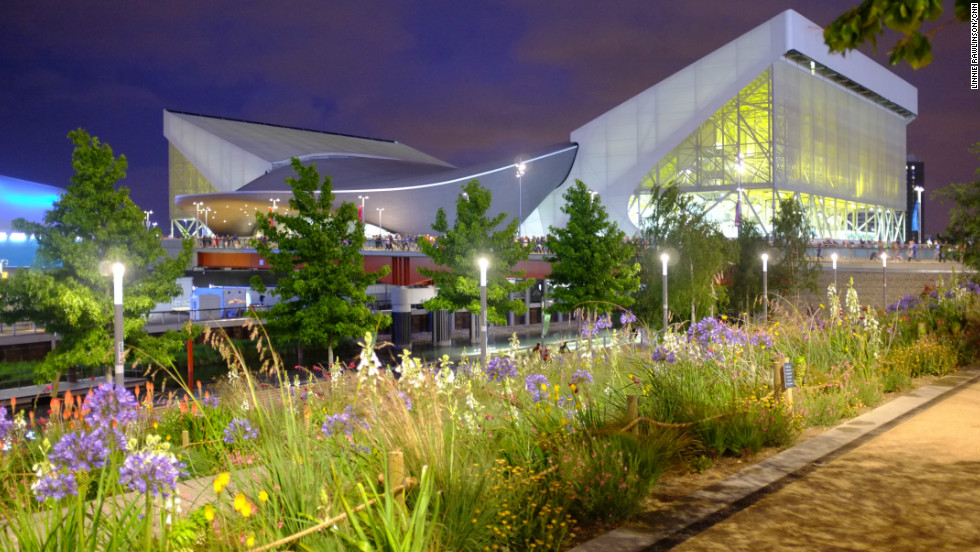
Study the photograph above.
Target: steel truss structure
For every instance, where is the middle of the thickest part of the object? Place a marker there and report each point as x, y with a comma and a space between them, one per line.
735, 162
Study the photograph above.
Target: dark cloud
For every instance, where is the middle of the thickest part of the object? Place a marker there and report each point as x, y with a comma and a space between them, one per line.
465, 82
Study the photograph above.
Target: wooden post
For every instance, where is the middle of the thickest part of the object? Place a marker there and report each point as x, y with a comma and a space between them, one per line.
185, 438
632, 412
922, 329
190, 364
777, 378
396, 473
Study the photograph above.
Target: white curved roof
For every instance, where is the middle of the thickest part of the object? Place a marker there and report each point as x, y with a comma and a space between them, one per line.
232, 153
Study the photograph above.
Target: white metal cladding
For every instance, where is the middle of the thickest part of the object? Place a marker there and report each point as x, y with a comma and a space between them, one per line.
226, 165
618, 148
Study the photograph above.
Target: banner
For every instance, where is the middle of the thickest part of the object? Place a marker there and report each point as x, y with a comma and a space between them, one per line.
915, 218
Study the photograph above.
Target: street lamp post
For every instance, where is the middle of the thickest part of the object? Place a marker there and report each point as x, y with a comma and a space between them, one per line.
147, 221
765, 288
275, 204
362, 198
199, 205
918, 209
521, 168
663, 260
884, 280
381, 211
483, 262
833, 259
117, 298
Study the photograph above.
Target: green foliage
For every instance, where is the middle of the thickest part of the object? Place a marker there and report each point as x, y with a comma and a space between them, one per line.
699, 254
668, 210
474, 235
964, 222
316, 254
790, 270
386, 525
745, 289
592, 260
868, 20
68, 291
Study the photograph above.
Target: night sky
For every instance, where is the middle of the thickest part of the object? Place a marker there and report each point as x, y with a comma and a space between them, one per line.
463, 81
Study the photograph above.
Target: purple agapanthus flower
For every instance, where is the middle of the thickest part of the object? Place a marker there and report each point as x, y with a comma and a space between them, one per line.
627, 318
55, 485
210, 401
906, 303
151, 471
662, 354
533, 384
6, 424
77, 452
589, 330
500, 368
604, 322
240, 428
762, 339
406, 400
344, 422
110, 403
581, 376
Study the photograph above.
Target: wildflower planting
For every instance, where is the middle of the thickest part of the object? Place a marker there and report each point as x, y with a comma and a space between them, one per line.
518, 455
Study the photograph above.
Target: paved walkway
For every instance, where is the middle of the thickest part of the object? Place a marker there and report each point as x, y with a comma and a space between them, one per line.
905, 476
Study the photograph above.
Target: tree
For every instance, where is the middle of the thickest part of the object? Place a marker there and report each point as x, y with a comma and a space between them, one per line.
745, 287
68, 290
791, 270
868, 20
667, 211
592, 260
964, 222
457, 249
316, 254
699, 254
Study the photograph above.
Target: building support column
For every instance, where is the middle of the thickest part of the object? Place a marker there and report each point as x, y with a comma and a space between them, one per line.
474, 328
442, 332
527, 303
401, 319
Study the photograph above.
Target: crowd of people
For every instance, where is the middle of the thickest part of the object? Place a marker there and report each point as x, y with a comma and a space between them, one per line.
911, 250
896, 250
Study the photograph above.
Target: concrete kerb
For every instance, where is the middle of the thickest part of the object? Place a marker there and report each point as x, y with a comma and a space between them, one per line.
660, 530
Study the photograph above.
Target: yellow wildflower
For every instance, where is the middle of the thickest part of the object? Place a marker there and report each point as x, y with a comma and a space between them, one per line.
250, 541
240, 501
208, 513
221, 482
263, 496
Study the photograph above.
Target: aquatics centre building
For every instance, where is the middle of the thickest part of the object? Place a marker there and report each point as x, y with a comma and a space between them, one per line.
767, 116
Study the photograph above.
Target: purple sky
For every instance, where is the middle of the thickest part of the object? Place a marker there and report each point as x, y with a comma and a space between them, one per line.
463, 81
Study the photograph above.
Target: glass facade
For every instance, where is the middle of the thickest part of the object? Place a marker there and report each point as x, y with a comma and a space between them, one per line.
185, 179
792, 132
